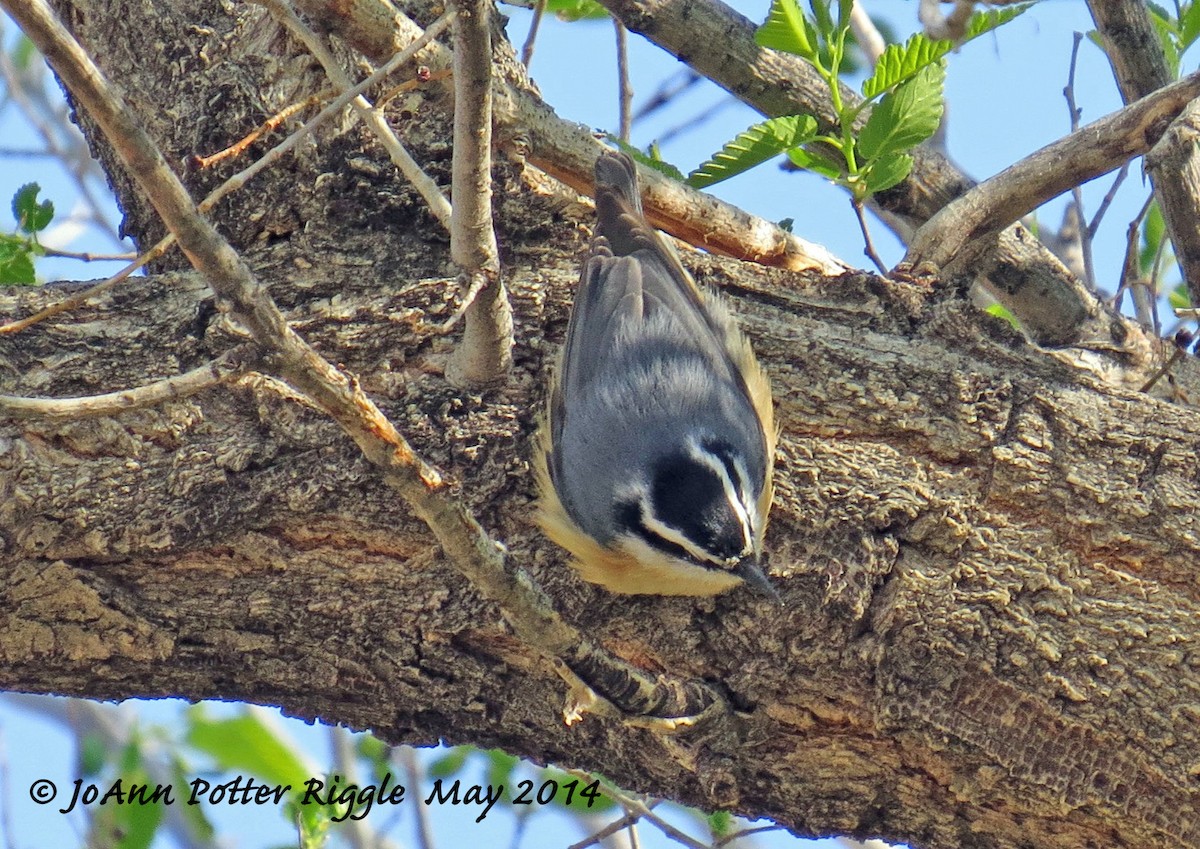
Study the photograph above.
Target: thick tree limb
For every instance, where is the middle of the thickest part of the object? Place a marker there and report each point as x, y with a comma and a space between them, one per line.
954, 238
1140, 68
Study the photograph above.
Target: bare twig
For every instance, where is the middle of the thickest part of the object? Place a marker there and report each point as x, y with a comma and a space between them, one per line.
262, 129
232, 363
868, 245
613, 827
1094, 225
1129, 268
1081, 232
465, 544
374, 121
745, 832
539, 11
961, 231
484, 355
624, 88
88, 257
866, 33
412, 772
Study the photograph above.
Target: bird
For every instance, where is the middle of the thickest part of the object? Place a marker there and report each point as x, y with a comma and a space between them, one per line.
656, 452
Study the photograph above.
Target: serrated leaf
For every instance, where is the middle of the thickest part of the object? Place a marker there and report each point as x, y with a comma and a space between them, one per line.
576, 10
905, 117
990, 19
787, 28
16, 269
887, 171
816, 162
900, 62
246, 743
31, 216
753, 147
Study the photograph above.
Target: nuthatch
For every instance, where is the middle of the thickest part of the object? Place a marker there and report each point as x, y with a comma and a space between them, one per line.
656, 455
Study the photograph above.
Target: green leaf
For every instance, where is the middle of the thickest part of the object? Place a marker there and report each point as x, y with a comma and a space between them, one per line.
990, 19
817, 162
31, 216
720, 823
576, 10
1179, 298
245, 743
93, 754
886, 171
905, 117
1002, 312
788, 29
16, 262
1189, 25
650, 160
500, 767
24, 53
450, 763
901, 62
1168, 36
1153, 232
753, 147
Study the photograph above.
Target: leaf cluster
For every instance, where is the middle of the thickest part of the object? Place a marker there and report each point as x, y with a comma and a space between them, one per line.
18, 249
903, 94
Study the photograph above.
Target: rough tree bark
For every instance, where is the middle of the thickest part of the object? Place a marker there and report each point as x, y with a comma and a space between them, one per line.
987, 552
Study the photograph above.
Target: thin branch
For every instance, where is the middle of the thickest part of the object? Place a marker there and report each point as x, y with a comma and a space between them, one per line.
1094, 225
866, 33
539, 11
422, 182
674, 702
1081, 231
624, 88
745, 832
484, 355
613, 827
233, 363
412, 773
1130, 269
88, 257
240, 179
962, 230
272, 123
868, 245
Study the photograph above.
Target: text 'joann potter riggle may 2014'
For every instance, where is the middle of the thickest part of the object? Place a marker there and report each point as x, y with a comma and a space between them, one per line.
357, 799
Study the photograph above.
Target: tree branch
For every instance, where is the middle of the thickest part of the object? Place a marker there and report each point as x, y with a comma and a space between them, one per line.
1022, 274
232, 363
953, 239
1140, 67
484, 355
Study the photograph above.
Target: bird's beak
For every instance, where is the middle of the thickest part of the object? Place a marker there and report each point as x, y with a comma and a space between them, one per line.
749, 570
